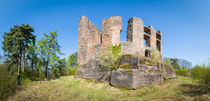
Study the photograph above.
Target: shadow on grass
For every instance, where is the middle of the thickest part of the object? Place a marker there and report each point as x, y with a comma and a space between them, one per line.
195, 89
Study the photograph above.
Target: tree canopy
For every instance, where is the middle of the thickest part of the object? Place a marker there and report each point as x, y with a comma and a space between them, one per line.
15, 45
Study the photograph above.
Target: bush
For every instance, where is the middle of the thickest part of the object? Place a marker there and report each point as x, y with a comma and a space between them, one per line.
7, 83
155, 55
110, 57
182, 72
202, 73
71, 70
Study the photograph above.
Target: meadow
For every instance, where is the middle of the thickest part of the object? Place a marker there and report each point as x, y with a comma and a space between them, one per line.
68, 88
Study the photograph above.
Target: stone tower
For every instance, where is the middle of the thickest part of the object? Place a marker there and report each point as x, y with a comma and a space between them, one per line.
111, 31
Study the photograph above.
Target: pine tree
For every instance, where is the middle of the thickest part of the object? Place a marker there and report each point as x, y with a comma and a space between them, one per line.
15, 46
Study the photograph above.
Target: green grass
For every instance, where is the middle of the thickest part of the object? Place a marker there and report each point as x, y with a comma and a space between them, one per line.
70, 89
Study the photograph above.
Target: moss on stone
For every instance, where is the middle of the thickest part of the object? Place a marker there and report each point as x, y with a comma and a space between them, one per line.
150, 71
150, 63
125, 66
130, 72
141, 61
129, 56
136, 67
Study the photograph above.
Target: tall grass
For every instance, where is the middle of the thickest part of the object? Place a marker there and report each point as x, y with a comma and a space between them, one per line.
7, 83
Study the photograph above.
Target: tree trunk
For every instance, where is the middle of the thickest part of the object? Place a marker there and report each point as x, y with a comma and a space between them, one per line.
24, 51
46, 68
19, 66
19, 69
18, 73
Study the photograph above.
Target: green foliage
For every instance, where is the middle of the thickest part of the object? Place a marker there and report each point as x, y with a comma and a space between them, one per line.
110, 57
16, 44
116, 51
72, 70
59, 69
72, 60
1, 59
202, 73
174, 63
72, 64
182, 72
155, 55
49, 48
7, 83
167, 60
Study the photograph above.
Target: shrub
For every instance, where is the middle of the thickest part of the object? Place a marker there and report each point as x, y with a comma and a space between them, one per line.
155, 55
71, 70
182, 72
202, 73
110, 57
7, 83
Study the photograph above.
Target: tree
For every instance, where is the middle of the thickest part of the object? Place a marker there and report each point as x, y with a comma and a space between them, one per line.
167, 60
72, 60
184, 63
15, 44
1, 59
174, 63
72, 64
59, 67
49, 48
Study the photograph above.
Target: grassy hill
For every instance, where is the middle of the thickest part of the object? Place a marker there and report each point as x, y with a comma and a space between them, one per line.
69, 89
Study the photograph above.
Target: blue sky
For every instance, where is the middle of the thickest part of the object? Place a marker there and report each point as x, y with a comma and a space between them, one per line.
185, 23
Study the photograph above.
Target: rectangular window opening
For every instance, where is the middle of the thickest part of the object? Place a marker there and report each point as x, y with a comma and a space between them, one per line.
147, 40
158, 45
147, 53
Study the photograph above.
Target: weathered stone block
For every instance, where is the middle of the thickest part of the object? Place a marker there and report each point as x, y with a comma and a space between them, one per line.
93, 70
135, 78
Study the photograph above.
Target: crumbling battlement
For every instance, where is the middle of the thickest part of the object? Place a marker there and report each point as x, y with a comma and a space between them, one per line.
141, 40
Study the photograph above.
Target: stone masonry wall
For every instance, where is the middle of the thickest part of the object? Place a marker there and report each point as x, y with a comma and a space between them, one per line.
152, 37
111, 31
133, 72
88, 37
135, 34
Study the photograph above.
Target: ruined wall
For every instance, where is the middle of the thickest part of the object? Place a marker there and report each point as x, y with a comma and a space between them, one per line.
135, 37
128, 48
152, 37
161, 43
134, 71
91, 41
88, 37
111, 31
135, 34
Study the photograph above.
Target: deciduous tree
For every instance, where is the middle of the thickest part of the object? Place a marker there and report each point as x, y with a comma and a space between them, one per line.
49, 48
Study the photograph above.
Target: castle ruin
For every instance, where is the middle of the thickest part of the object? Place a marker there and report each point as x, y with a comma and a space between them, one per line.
141, 41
